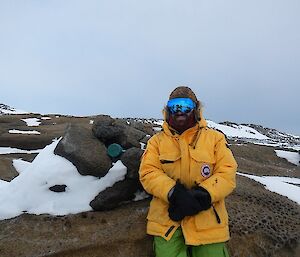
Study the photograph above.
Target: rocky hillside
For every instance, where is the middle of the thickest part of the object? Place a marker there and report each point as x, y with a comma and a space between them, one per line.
263, 223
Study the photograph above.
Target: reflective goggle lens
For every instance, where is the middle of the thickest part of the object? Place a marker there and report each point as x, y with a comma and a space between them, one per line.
184, 105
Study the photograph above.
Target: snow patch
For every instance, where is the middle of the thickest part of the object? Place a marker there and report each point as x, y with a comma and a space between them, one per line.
239, 131
280, 185
20, 165
140, 195
25, 132
291, 157
143, 146
29, 192
157, 129
10, 150
32, 122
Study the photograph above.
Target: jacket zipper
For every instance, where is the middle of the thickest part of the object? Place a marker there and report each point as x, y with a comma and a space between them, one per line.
169, 231
217, 215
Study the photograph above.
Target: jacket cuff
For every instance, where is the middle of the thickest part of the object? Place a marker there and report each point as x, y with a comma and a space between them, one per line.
168, 190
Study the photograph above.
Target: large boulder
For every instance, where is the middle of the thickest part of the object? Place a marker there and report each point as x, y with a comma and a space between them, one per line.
111, 131
88, 154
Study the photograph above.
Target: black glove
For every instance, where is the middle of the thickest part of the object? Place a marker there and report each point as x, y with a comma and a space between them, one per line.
182, 203
203, 197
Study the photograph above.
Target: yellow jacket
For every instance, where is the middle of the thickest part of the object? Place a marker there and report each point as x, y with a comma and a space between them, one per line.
201, 156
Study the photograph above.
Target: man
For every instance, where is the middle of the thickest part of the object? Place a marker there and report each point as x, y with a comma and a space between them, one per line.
189, 170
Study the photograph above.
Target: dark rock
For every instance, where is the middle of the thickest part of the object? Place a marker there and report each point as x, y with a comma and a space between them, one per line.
132, 137
117, 131
103, 119
112, 197
105, 131
58, 188
131, 159
108, 134
88, 154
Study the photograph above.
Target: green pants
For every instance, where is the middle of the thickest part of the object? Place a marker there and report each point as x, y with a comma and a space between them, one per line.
176, 247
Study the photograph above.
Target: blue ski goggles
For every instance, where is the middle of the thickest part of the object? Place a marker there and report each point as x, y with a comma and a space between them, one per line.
184, 105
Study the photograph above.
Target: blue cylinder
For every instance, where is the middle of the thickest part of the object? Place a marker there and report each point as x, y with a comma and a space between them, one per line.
114, 150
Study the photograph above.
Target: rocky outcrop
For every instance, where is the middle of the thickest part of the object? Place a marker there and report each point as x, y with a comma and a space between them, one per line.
88, 154
110, 131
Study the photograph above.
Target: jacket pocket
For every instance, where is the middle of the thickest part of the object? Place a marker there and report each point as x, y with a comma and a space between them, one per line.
170, 163
202, 164
214, 217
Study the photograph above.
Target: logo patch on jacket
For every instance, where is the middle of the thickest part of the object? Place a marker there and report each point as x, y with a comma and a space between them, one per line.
205, 171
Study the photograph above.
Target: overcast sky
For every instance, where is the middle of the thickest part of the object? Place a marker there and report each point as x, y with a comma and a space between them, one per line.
124, 57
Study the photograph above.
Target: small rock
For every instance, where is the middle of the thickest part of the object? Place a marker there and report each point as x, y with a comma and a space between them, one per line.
58, 188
